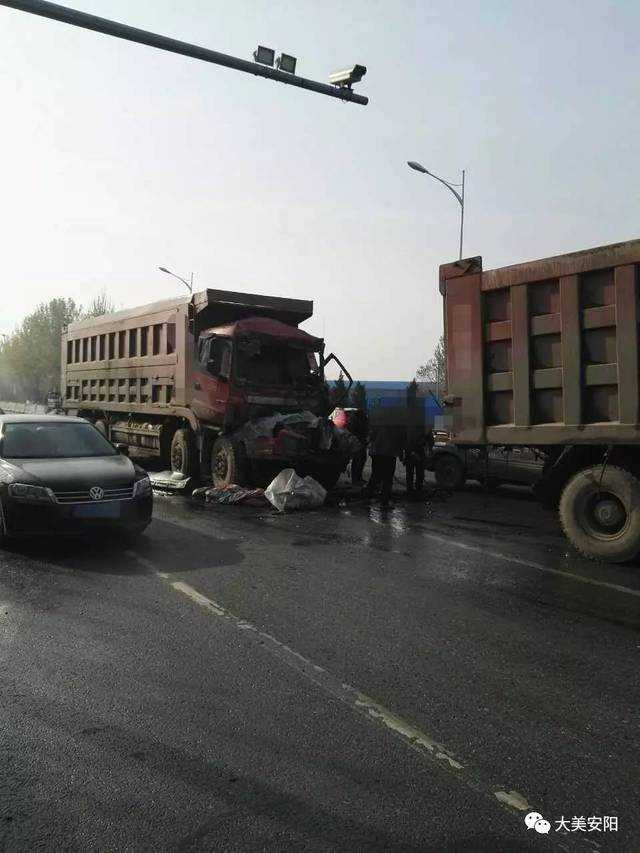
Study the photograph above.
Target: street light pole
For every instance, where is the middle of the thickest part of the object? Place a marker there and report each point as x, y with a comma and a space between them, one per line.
114, 28
179, 277
450, 186
462, 215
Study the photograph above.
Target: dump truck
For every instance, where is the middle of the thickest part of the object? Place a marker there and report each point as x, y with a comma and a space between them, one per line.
544, 355
216, 382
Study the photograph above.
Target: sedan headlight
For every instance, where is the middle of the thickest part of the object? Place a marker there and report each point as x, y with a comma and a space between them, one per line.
31, 494
142, 487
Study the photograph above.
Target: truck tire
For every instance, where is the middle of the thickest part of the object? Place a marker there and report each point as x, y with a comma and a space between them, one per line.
600, 513
183, 453
448, 471
229, 463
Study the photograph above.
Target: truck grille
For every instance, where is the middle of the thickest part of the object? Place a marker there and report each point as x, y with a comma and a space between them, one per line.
124, 493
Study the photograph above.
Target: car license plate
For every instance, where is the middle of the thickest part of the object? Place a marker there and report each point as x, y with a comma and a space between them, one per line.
98, 510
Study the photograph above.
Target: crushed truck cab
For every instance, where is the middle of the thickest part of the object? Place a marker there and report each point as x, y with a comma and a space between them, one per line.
219, 382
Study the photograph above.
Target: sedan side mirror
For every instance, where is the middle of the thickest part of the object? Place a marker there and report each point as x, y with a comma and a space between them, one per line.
122, 448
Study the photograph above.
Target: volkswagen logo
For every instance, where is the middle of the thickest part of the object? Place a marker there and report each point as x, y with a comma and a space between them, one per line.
96, 493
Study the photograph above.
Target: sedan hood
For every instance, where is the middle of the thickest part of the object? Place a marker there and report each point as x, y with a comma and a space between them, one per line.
68, 474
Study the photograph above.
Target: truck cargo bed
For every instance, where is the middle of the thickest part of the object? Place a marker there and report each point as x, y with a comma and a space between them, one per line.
544, 352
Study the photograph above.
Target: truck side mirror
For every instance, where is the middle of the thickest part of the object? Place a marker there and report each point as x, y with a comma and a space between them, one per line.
220, 371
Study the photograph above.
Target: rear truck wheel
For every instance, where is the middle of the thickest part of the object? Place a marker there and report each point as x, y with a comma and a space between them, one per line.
600, 513
448, 471
103, 427
183, 453
229, 463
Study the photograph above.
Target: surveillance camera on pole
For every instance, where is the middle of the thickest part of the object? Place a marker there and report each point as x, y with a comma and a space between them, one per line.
262, 66
345, 78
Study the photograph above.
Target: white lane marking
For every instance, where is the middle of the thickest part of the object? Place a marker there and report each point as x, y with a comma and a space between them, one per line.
362, 704
428, 748
496, 555
397, 724
514, 799
529, 564
194, 595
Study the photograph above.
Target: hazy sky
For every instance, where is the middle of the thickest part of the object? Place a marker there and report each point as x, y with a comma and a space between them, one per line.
117, 158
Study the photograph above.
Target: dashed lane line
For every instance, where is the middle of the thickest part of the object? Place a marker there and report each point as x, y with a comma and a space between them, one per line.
529, 564
412, 737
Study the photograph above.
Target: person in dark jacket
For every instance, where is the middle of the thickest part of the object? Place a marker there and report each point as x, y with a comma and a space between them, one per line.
359, 426
386, 445
415, 460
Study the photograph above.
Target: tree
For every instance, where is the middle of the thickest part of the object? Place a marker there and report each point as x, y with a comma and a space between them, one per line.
100, 304
339, 391
359, 396
30, 357
435, 369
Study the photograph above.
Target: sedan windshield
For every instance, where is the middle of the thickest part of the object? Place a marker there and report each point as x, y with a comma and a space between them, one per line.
54, 440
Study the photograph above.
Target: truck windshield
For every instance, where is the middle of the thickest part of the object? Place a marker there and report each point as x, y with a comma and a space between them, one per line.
275, 364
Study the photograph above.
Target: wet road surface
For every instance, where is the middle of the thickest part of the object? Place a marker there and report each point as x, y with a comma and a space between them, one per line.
345, 679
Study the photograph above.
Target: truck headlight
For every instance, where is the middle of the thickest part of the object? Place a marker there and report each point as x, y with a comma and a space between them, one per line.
31, 494
142, 487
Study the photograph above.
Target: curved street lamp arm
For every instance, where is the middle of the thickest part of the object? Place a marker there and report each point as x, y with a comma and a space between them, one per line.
449, 187
179, 277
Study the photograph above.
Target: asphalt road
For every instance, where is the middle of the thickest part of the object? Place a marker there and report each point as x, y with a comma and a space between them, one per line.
346, 679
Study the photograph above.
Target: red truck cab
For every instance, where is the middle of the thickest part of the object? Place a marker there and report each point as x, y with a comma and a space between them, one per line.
254, 368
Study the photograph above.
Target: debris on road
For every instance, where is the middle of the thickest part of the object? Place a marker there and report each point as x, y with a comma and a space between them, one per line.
166, 481
290, 491
230, 495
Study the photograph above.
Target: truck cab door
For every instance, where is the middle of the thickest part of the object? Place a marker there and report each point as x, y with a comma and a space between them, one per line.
211, 380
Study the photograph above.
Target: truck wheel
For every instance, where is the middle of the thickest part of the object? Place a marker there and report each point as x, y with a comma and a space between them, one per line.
229, 463
600, 513
183, 452
448, 471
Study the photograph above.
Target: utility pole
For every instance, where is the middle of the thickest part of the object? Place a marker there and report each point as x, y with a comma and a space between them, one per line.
123, 31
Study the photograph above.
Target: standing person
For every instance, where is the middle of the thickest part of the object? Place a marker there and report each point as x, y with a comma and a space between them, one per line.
359, 426
415, 460
384, 449
414, 463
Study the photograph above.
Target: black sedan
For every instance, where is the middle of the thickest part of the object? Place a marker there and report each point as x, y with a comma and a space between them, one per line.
61, 475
